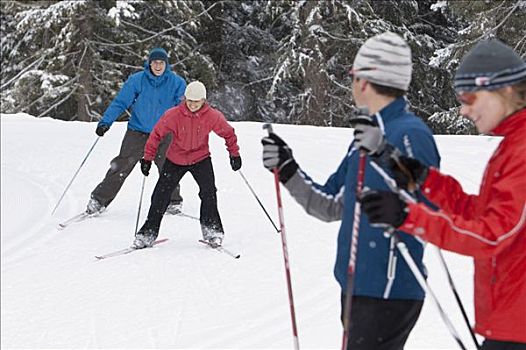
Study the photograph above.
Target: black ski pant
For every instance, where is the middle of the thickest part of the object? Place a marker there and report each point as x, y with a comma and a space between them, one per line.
132, 150
380, 324
203, 174
502, 345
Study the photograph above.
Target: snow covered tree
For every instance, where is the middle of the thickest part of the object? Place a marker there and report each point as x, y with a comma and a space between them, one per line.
279, 60
241, 41
310, 77
42, 53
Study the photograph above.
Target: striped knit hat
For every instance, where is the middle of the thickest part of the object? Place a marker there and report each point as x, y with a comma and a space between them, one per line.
384, 59
490, 65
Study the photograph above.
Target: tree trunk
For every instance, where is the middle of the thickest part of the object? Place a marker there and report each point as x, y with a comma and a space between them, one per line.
85, 65
315, 81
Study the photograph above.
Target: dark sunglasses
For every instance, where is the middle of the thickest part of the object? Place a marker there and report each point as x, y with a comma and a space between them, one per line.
466, 98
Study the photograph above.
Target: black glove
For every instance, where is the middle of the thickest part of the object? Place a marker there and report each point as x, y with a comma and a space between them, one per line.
145, 166
276, 154
408, 172
101, 129
235, 163
384, 208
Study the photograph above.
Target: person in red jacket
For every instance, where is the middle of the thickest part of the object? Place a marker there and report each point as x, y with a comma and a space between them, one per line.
190, 123
491, 226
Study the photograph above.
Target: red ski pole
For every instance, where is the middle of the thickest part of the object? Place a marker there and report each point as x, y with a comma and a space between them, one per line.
353, 250
285, 250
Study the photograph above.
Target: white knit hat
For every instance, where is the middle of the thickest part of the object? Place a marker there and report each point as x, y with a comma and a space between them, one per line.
384, 59
195, 91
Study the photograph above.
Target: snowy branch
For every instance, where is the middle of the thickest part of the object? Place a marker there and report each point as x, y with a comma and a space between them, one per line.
204, 12
58, 103
494, 29
33, 65
256, 82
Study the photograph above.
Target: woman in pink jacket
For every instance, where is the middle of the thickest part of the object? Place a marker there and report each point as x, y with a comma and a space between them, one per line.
190, 123
491, 226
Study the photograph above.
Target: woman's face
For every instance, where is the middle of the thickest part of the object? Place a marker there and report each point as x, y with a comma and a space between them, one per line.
484, 108
194, 106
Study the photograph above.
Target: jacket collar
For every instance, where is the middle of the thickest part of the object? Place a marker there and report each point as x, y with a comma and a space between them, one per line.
516, 121
394, 109
153, 79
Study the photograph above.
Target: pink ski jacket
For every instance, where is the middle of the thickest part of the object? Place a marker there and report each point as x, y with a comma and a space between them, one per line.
190, 134
491, 227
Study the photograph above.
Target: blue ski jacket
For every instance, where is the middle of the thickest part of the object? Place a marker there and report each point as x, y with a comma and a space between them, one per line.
147, 97
381, 272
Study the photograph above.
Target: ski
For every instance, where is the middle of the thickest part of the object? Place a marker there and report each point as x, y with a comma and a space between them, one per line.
221, 249
76, 218
187, 216
126, 250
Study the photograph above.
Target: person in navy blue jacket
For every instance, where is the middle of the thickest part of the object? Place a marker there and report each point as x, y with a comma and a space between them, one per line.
386, 299
146, 95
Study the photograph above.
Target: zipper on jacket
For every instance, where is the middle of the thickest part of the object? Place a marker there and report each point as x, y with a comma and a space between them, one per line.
391, 268
192, 128
494, 270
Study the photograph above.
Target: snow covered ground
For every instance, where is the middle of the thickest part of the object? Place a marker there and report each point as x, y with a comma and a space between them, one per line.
55, 294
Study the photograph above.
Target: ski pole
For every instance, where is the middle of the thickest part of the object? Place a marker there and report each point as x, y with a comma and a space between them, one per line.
391, 183
259, 202
268, 127
140, 205
457, 297
425, 286
353, 250
75, 175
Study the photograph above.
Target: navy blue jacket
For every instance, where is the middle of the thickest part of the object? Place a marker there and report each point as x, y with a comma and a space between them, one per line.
336, 198
147, 96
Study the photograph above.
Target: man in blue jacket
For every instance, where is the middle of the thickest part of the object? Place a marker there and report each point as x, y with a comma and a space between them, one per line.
386, 298
147, 95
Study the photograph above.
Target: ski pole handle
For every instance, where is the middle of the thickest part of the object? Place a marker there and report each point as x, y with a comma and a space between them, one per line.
268, 127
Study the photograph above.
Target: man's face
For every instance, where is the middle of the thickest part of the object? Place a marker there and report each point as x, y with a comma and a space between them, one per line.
358, 88
194, 106
157, 67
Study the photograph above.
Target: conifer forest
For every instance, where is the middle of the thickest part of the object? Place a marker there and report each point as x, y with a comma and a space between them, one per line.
283, 61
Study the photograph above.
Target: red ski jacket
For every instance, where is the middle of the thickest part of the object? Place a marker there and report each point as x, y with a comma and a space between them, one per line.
190, 134
491, 227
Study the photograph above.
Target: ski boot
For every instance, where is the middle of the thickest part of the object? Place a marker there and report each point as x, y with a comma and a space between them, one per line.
144, 239
94, 207
174, 208
215, 242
